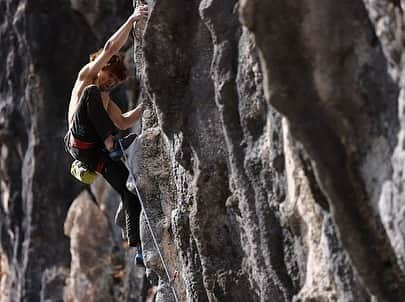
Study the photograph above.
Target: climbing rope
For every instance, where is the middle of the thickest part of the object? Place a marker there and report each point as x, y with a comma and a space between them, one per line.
131, 185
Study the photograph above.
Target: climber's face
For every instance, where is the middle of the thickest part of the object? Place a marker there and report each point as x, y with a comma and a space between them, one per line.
106, 80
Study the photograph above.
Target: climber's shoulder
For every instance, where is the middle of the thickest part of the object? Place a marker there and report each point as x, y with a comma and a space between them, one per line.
85, 74
91, 69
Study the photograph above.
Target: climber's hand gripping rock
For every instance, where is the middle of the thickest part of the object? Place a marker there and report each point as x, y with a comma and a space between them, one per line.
139, 12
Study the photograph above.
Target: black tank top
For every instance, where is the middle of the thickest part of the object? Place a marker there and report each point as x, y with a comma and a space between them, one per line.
91, 122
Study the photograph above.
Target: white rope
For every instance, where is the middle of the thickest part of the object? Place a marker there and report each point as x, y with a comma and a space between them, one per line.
131, 185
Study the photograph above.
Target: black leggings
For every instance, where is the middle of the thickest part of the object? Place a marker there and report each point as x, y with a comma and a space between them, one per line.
116, 174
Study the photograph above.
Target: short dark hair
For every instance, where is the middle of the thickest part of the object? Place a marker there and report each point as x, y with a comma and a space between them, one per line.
115, 65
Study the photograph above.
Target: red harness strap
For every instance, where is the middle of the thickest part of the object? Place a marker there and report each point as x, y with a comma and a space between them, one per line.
79, 144
82, 145
100, 165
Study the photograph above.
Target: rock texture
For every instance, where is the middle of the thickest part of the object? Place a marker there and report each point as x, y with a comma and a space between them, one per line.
270, 160
34, 90
274, 124
99, 270
43, 45
341, 105
387, 18
91, 247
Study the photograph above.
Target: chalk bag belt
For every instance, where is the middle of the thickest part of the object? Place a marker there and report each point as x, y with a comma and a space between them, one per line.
80, 144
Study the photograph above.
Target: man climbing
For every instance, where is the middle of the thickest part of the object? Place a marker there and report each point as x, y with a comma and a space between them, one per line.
94, 120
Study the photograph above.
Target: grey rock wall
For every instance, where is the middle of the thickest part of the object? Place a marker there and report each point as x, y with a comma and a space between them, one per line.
269, 162
387, 18
341, 105
91, 247
43, 44
33, 92
274, 123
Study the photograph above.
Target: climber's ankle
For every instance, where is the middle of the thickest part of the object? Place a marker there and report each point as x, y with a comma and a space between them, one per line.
139, 256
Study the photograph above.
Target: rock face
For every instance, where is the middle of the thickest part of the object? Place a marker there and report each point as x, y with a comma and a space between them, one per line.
334, 89
90, 271
43, 45
33, 95
387, 18
99, 270
270, 159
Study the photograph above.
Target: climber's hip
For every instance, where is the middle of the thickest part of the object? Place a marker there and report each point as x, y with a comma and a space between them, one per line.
86, 152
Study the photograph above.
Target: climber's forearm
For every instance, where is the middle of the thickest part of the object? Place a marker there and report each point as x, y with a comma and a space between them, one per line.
118, 39
113, 45
132, 116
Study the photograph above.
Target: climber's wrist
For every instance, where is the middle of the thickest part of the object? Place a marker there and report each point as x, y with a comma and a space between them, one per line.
139, 13
133, 19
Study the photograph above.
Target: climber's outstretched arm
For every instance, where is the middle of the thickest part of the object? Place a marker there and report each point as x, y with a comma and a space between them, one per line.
113, 45
124, 120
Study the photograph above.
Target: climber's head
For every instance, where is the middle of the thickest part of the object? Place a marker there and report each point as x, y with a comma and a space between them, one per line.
112, 74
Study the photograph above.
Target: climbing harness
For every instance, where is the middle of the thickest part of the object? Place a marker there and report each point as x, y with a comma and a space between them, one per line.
78, 169
80, 144
131, 185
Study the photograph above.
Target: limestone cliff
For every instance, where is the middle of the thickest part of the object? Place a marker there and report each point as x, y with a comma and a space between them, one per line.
43, 45
272, 148
270, 156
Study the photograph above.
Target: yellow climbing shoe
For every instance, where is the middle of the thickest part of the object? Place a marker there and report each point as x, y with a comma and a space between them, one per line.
82, 173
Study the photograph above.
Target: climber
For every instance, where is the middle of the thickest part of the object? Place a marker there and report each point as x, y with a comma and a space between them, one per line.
94, 120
